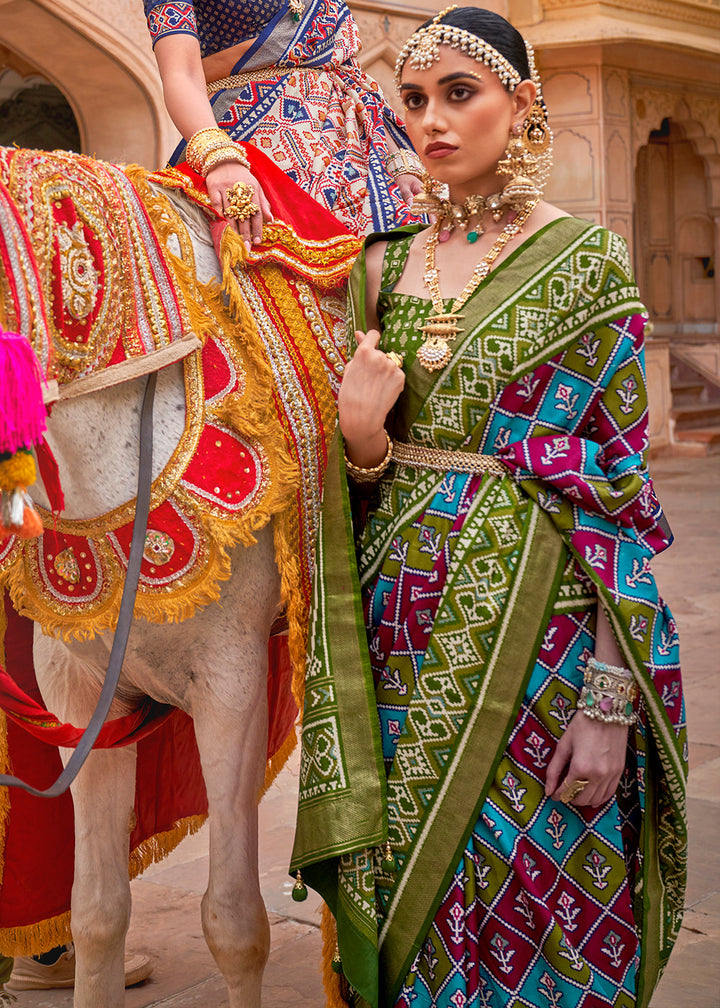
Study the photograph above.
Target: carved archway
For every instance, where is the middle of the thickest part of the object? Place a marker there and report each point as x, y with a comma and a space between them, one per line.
110, 83
677, 234
37, 115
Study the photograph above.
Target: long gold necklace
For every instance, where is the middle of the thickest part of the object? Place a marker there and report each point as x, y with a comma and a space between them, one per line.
442, 327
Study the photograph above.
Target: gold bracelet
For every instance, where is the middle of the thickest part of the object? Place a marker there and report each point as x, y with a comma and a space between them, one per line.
228, 153
360, 475
203, 150
202, 142
408, 164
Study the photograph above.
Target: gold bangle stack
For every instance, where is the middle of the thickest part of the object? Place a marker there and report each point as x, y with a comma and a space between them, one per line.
608, 693
209, 147
360, 475
404, 162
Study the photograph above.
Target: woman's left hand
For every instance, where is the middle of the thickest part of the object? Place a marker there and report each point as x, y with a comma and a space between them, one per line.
589, 750
409, 185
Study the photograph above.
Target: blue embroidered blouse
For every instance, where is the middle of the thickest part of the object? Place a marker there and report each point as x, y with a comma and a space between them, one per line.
217, 24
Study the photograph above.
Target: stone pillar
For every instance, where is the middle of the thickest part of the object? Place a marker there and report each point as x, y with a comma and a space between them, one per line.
617, 151
572, 84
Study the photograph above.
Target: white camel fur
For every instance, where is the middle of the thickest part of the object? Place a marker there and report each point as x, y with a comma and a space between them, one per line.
213, 666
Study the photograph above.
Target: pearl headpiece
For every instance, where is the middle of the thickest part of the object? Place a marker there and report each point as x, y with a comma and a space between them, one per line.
422, 50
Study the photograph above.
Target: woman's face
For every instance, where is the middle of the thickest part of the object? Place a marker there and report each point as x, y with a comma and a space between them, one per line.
459, 116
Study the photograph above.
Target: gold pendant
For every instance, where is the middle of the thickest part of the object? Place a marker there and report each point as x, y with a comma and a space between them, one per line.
439, 330
444, 325
434, 353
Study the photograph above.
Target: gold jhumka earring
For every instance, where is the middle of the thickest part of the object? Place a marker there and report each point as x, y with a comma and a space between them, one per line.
528, 156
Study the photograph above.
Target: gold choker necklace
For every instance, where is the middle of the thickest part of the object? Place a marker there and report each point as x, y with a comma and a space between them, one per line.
449, 215
442, 327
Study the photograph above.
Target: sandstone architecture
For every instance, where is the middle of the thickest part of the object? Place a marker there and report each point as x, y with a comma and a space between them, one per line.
633, 88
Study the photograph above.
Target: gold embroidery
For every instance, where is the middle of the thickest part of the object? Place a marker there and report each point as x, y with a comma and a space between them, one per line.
79, 276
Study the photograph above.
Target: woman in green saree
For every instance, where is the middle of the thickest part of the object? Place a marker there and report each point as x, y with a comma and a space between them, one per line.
493, 766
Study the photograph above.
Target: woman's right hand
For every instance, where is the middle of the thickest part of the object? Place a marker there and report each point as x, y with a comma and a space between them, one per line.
221, 178
370, 387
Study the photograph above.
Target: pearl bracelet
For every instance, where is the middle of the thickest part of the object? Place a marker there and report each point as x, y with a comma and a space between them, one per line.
360, 475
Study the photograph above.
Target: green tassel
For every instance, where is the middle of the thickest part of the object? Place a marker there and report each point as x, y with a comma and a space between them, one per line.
299, 890
388, 859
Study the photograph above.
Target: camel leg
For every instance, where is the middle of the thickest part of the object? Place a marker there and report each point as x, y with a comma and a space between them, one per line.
103, 797
229, 709
234, 919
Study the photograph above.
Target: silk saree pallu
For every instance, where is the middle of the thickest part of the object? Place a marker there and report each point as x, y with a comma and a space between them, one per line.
452, 880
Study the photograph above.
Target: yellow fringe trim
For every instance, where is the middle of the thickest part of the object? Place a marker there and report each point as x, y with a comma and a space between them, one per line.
170, 608
331, 979
251, 413
275, 764
34, 939
157, 847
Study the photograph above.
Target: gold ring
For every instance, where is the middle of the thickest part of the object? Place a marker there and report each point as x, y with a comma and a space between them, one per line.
396, 358
572, 790
240, 201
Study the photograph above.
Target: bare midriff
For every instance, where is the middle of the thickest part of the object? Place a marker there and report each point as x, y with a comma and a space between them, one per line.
221, 64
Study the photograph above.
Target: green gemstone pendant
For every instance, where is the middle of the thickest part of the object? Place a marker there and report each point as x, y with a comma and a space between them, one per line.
472, 237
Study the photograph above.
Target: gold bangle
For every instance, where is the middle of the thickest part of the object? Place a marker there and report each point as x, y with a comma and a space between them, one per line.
229, 153
361, 475
202, 142
204, 149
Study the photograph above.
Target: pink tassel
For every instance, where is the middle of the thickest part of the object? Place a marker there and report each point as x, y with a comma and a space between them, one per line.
22, 410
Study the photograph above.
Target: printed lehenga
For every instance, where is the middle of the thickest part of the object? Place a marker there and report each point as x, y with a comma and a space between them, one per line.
477, 596
299, 95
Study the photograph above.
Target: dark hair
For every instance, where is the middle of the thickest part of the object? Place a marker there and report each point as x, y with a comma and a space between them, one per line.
494, 29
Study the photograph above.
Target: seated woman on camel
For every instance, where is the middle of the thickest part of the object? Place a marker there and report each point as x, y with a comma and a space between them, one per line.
284, 77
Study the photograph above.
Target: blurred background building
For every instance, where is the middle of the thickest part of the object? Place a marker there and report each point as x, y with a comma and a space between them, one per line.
633, 89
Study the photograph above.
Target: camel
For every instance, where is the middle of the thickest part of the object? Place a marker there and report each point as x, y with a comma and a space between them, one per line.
213, 666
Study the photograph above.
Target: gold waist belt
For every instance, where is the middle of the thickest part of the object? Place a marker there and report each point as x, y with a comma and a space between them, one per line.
241, 79
446, 461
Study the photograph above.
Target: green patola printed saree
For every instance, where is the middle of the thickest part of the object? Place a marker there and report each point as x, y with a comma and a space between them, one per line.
450, 630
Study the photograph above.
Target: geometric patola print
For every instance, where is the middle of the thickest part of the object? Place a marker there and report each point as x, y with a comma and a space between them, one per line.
540, 908
424, 689
539, 903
